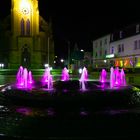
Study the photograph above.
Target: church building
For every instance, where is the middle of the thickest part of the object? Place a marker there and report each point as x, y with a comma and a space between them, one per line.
25, 37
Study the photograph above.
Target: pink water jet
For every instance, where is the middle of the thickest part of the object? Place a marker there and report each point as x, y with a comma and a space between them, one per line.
83, 79
24, 79
117, 78
30, 81
122, 78
65, 75
47, 79
19, 77
103, 76
112, 77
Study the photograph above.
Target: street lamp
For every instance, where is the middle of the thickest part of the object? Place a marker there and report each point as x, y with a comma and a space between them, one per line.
68, 54
62, 60
48, 49
46, 65
80, 70
1, 65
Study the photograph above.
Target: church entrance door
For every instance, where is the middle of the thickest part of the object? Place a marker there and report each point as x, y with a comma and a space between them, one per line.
25, 58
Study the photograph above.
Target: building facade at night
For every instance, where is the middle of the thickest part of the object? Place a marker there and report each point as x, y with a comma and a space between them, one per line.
26, 38
100, 50
123, 49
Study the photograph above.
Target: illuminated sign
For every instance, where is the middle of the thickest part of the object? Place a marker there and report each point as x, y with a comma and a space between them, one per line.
110, 56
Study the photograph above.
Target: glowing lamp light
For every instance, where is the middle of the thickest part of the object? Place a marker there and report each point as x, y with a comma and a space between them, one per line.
110, 56
138, 64
51, 68
131, 62
24, 4
121, 63
46, 65
62, 60
117, 63
105, 61
126, 62
1, 65
25, 7
80, 71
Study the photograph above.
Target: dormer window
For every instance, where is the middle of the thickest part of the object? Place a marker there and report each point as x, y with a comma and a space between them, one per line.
121, 34
112, 37
100, 42
137, 28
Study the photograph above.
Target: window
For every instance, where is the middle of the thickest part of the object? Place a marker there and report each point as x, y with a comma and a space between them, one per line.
139, 44
22, 27
96, 44
100, 52
105, 41
112, 37
28, 27
136, 59
112, 50
101, 43
105, 52
135, 45
121, 34
137, 28
119, 48
122, 47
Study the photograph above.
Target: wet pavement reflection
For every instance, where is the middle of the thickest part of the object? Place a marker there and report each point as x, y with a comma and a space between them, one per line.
51, 122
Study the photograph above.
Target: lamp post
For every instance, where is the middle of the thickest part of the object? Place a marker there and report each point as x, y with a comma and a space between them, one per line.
82, 60
68, 54
62, 63
48, 48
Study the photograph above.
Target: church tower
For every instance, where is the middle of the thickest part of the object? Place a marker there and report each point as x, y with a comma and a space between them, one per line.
28, 45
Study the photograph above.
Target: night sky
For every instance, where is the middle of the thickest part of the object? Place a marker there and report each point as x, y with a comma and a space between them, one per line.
82, 21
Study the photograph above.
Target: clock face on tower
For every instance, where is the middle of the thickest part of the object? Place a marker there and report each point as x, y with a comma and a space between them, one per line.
25, 11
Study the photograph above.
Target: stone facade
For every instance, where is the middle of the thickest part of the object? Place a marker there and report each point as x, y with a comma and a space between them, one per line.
26, 38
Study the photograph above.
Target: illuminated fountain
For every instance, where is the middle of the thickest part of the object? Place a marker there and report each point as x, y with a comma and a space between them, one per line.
68, 91
83, 79
65, 99
65, 75
103, 76
112, 77
20, 77
24, 78
30, 81
122, 78
117, 78
47, 79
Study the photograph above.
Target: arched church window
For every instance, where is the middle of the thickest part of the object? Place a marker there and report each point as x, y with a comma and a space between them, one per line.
28, 27
22, 27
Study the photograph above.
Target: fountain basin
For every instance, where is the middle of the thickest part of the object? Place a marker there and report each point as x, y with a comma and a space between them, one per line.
67, 93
